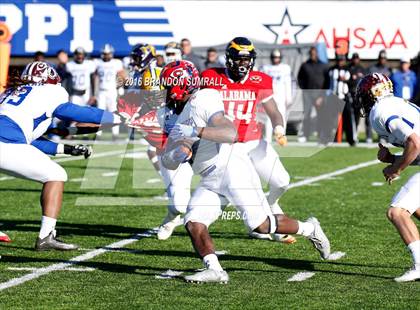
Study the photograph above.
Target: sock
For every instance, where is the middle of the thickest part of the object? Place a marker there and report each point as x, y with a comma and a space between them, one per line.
47, 226
212, 262
414, 248
305, 229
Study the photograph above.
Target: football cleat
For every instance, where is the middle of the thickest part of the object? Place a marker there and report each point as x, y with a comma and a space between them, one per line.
287, 239
411, 275
319, 239
208, 276
51, 243
168, 226
4, 237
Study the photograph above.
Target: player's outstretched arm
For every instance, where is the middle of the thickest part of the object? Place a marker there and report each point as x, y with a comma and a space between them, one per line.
72, 112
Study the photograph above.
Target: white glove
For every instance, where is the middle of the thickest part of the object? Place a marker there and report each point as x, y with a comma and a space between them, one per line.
180, 131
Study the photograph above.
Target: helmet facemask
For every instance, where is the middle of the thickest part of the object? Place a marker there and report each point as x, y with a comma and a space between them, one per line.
240, 66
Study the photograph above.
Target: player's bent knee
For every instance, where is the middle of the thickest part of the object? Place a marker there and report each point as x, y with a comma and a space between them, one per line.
269, 226
195, 227
57, 174
395, 213
280, 181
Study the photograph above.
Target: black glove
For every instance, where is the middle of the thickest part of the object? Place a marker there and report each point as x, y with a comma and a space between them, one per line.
77, 150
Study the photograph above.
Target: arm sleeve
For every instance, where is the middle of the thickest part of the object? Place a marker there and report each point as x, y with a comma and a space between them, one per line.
45, 145
72, 112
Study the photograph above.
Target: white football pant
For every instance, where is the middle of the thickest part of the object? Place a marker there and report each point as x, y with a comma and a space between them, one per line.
178, 186
234, 180
27, 162
267, 163
408, 197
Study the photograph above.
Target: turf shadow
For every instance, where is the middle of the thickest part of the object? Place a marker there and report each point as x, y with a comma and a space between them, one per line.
135, 194
66, 229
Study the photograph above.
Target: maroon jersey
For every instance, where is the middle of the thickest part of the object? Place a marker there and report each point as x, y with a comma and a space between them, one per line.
242, 99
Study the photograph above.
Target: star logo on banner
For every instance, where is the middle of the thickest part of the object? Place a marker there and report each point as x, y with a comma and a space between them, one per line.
286, 31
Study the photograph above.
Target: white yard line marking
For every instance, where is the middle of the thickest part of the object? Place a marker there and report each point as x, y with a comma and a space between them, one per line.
153, 181
6, 178
110, 174
134, 155
81, 269
301, 276
78, 180
73, 158
334, 173
336, 255
98, 155
169, 274
75, 260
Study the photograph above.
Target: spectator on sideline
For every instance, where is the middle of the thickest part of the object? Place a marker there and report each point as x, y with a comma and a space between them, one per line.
415, 66
381, 65
212, 60
187, 54
404, 80
60, 67
311, 78
39, 56
281, 74
357, 72
160, 61
338, 100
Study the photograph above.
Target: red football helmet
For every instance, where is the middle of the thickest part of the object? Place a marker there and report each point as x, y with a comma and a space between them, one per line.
40, 72
370, 89
180, 78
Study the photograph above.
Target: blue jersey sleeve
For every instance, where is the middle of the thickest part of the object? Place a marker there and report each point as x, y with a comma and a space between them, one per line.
72, 112
46, 146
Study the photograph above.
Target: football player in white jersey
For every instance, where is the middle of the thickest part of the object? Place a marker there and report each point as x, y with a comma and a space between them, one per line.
204, 137
82, 78
26, 113
397, 121
108, 69
282, 87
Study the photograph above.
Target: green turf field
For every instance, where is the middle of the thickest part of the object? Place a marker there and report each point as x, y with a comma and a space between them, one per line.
350, 208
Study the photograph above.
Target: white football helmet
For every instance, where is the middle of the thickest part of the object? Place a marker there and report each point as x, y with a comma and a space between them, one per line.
172, 52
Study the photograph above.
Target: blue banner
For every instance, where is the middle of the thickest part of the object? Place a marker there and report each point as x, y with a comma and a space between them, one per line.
49, 26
